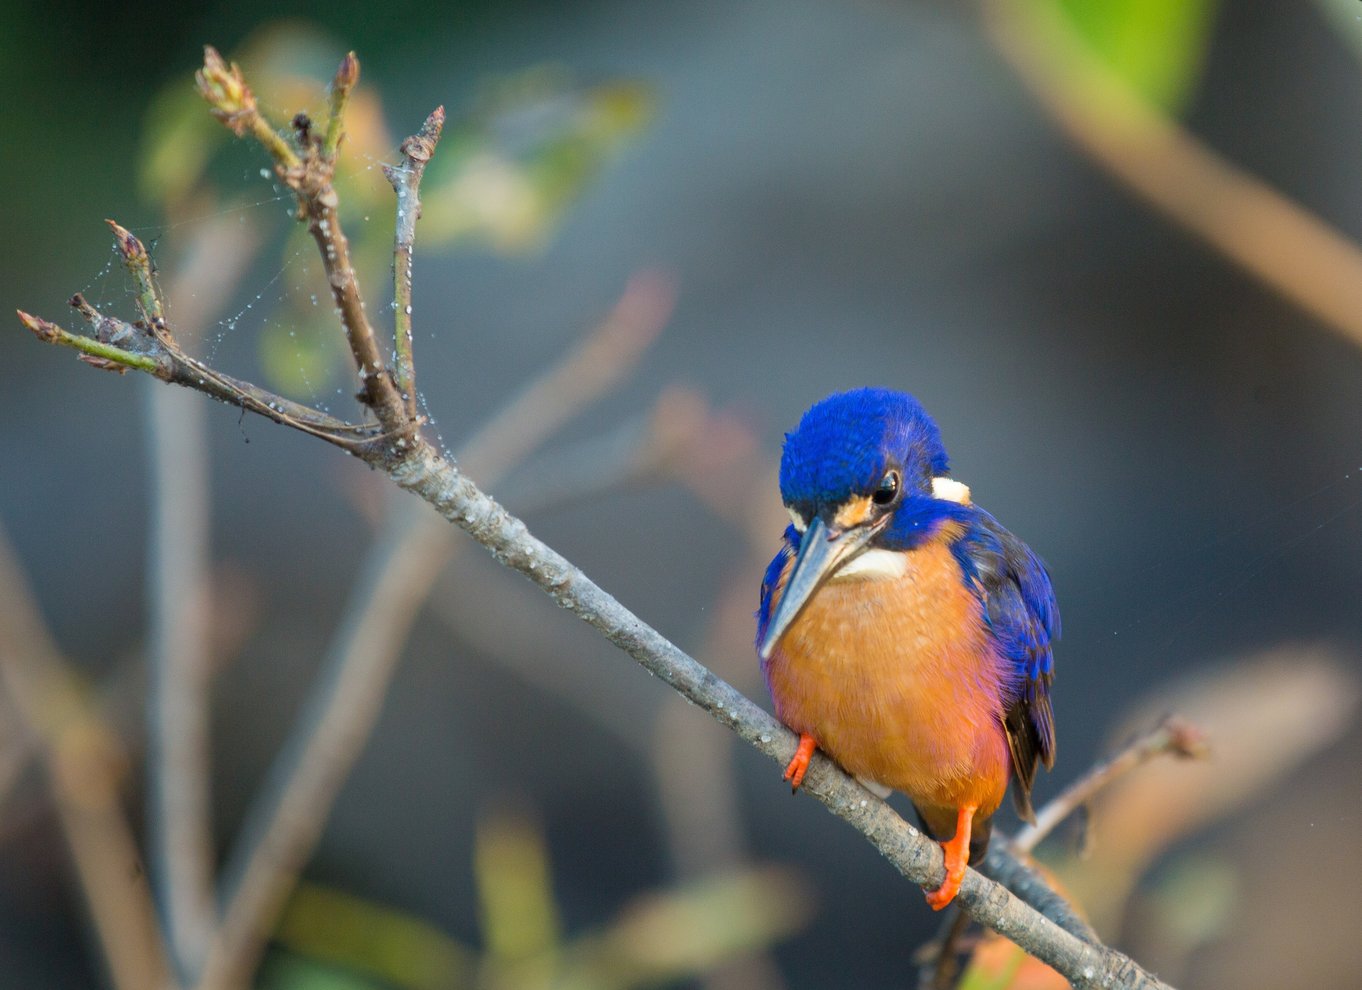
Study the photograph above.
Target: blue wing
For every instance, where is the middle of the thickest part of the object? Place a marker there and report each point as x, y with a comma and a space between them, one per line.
1019, 606
788, 547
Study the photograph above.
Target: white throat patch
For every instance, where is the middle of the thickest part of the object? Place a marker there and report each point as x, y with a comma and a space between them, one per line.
874, 565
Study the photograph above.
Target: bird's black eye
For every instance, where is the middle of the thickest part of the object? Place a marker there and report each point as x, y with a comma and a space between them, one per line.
888, 490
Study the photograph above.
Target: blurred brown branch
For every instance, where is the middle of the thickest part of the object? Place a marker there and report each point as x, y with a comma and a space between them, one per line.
84, 762
1264, 232
331, 730
179, 649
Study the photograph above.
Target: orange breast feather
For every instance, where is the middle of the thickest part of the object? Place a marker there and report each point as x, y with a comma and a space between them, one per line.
897, 679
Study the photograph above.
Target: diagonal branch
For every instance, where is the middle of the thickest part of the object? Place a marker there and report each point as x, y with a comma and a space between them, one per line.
427, 474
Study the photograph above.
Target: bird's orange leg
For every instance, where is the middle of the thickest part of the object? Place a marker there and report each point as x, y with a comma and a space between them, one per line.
799, 766
957, 858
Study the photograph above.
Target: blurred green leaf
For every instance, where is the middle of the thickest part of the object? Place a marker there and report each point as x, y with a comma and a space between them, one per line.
505, 176
1193, 901
995, 973
1346, 18
515, 893
285, 971
340, 932
685, 932
658, 938
1157, 46
301, 355
178, 140
289, 65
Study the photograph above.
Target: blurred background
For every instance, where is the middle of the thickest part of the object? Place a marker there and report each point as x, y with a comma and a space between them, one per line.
1111, 247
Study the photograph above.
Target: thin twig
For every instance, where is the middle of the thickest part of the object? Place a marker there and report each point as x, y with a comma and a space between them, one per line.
118, 345
82, 759
347, 74
1275, 239
499, 631
138, 264
309, 175
1172, 737
406, 182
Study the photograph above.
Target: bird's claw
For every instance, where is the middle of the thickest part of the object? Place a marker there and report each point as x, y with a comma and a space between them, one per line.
943, 895
956, 852
799, 764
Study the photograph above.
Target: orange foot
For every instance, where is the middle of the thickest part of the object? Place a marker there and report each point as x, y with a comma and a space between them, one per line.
957, 858
799, 766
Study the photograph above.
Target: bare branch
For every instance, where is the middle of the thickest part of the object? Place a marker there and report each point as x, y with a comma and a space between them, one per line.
138, 263
406, 182
596, 363
104, 355
286, 821
119, 346
309, 175
347, 74
180, 824
1172, 737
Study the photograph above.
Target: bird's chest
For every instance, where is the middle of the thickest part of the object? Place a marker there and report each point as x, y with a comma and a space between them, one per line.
892, 670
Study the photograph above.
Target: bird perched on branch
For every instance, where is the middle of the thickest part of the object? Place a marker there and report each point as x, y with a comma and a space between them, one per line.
902, 630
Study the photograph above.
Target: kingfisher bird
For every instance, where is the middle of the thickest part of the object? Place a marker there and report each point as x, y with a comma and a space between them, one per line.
902, 630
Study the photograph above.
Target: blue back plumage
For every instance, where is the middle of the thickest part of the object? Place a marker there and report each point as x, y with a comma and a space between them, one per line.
1020, 609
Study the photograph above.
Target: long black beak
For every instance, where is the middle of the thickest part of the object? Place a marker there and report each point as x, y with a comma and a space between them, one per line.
821, 552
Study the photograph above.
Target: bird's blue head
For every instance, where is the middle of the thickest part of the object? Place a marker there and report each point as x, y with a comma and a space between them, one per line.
866, 457
863, 471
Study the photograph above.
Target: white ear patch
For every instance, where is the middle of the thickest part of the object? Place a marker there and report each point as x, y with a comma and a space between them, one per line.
799, 521
950, 490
